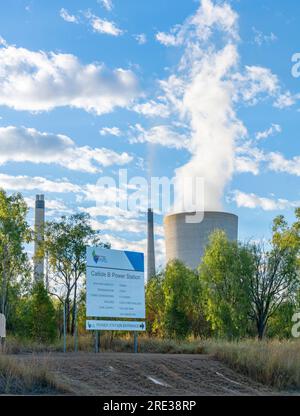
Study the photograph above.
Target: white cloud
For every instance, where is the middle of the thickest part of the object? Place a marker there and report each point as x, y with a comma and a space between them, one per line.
204, 92
64, 14
3, 42
246, 164
119, 224
244, 200
103, 26
53, 205
141, 38
248, 158
275, 128
256, 83
119, 243
208, 102
36, 183
40, 81
286, 99
278, 163
260, 38
109, 211
208, 17
107, 4
104, 196
152, 108
167, 39
110, 131
162, 134
38, 147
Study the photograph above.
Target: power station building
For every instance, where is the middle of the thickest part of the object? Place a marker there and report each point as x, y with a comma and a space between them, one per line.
187, 241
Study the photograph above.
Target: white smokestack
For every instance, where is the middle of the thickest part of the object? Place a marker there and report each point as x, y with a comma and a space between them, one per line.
39, 237
150, 245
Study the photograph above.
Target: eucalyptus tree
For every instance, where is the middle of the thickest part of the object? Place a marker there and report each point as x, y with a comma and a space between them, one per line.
275, 280
244, 285
14, 234
225, 271
180, 292
65, 245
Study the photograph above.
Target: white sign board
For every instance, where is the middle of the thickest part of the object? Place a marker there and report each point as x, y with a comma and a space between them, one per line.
115, 284
2, 326
115, 326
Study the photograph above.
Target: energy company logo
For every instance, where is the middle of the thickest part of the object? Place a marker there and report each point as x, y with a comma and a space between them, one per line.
97, 258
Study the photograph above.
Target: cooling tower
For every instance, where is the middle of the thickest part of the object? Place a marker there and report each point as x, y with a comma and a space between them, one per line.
187, 241
39, 237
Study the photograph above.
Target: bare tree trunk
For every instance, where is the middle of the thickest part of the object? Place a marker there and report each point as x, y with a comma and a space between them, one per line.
261, 327
74, 310
68, 314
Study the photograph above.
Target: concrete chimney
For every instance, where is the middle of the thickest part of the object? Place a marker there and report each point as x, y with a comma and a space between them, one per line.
150, 245
39, 225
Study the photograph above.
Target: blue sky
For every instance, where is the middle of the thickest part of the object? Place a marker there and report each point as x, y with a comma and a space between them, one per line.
198, 87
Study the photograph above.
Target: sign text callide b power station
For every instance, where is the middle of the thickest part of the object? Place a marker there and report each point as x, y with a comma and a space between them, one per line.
115, 283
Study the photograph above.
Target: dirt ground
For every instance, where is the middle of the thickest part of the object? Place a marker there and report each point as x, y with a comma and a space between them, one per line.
146, 374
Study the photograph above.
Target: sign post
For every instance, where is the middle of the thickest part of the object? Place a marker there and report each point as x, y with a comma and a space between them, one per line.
96, 342
115, 289
2, 330
135, 346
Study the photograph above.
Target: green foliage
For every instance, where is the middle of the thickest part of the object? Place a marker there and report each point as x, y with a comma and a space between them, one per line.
173, 303
65, 246
14, 265
275, 280
155, 304
280, 323
180, 289
41, 319
225, 268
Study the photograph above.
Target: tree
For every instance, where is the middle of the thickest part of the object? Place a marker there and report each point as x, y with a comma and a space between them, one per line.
243, 282
224, 272
280, 323
275, 280
41, 321
178, 287
155, 304
65, 246
14, 264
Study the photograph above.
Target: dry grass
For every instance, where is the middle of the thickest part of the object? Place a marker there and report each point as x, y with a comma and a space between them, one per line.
168, 346
18, 377
108, 343
273, 363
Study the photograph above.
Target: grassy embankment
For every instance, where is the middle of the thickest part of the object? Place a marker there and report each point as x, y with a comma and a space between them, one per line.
273, 363
17, 377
